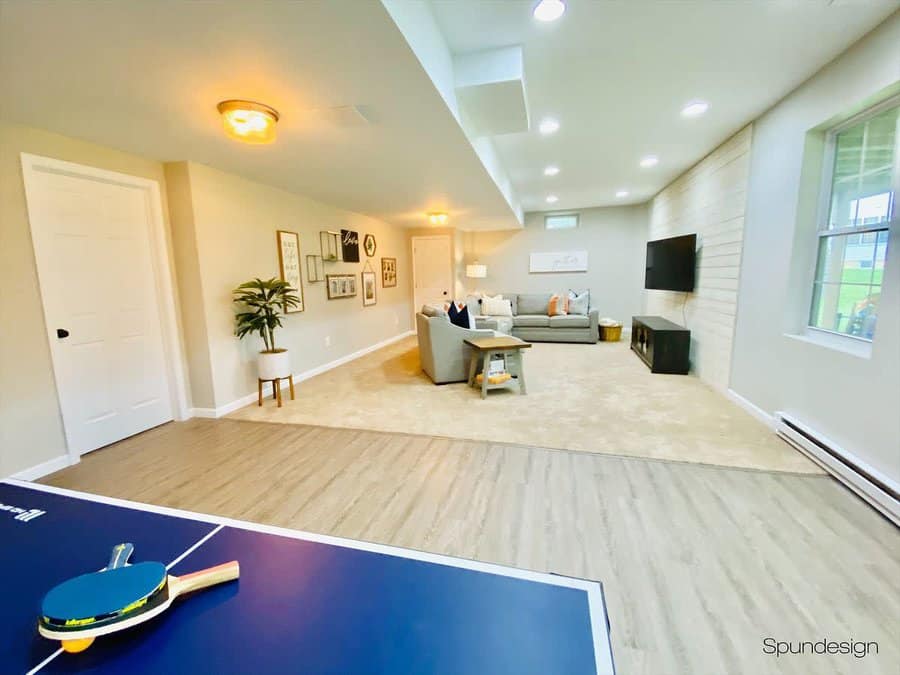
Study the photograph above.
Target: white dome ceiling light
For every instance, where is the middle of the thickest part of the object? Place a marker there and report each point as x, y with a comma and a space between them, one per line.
694, 108
549, 10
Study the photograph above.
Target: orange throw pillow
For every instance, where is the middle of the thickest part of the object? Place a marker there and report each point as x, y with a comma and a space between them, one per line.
559, 305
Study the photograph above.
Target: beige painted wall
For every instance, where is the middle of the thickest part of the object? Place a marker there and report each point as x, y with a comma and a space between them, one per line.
31, 430
708, 199
234, 225
849, 399
614, 238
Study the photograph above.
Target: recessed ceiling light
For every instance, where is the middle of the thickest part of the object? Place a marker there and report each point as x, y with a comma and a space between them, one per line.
551, 171
649, 160
552, 199
549, 10
622, 193
438, 218
548, 125
694, 109
248, 121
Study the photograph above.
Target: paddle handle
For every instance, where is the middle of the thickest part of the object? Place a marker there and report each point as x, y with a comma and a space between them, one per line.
120, 555
208, 577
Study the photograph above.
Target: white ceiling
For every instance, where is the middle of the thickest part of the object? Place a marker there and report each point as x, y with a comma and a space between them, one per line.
616, 75
145, 77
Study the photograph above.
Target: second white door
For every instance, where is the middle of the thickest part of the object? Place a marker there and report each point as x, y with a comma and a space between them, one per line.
432, 271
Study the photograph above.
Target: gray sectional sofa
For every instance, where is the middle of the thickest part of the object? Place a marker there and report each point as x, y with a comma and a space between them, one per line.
531, 322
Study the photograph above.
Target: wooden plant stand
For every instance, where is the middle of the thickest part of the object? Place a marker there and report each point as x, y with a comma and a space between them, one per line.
276, 388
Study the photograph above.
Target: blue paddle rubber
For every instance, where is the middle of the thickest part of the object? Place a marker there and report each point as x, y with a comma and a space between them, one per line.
93, 596
120, 555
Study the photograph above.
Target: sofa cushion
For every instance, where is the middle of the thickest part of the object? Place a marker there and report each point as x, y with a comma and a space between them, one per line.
460, 317
533, 303
559, 305
496, 306
531, 320
433, 309
513, 298
570, 321
579, 303
473, 302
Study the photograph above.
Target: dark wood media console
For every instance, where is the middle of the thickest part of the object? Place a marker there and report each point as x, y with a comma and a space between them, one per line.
664, 346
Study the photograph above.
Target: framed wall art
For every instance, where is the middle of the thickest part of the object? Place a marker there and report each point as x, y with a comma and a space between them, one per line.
315, 269
349, 246
388, 272
563, 261
369, 281
340, 286
329, 243
369, 245
289, 264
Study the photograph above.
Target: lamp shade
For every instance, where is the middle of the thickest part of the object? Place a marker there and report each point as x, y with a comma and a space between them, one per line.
476, 271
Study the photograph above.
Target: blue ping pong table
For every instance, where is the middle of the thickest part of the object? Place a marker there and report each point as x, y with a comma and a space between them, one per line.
305, 603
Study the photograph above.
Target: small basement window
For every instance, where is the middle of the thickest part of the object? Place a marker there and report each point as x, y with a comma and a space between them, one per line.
561, 221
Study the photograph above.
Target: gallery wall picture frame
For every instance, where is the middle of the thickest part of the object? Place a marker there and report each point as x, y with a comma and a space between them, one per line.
289, 265
369, 281
340, 286
330, 245
388, 272
557, 261
315, 269
369, 245
349, 246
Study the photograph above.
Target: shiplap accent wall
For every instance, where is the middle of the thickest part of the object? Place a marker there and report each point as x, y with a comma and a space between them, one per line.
708, 199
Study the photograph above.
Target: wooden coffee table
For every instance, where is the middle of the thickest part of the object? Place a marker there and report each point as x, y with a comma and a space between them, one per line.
484, 348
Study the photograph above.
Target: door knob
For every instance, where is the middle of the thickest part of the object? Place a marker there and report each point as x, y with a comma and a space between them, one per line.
62, 333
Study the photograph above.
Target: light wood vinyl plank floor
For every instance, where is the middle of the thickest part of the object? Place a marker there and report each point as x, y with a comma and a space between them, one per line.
699, 564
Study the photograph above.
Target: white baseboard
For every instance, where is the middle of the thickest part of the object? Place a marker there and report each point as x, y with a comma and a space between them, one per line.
45, 468
221, 411
751, 408
870, 484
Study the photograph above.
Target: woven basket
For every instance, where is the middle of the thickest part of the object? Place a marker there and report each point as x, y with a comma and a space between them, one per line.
610, 333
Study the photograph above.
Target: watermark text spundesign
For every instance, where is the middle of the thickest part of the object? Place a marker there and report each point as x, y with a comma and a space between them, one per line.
857, 648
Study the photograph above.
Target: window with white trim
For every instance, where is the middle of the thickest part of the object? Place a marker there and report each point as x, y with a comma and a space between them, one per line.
861, 185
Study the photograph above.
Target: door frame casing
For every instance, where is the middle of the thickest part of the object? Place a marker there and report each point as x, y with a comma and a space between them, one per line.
412, 250
162, 272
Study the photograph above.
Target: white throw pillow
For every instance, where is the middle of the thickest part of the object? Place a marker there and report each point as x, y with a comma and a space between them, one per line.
496, 306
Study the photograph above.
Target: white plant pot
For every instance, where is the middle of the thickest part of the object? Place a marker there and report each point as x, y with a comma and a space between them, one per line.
274, 365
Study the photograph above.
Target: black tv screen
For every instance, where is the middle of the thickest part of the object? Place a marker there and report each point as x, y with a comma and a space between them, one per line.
671, 263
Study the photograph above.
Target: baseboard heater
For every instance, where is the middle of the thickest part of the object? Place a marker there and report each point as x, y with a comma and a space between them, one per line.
869, 484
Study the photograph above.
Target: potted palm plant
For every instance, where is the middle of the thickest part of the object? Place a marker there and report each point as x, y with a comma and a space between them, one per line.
262, 304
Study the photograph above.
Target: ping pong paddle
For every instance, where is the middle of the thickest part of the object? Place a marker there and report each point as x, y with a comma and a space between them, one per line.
85, 607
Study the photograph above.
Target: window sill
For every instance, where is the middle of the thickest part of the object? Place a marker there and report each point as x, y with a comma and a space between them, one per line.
859, 348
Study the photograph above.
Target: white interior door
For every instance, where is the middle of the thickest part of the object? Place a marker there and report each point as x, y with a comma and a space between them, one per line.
432, 272
92, 245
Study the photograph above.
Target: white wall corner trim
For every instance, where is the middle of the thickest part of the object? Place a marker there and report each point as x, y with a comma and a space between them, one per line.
46, 468
221, 411
757, 412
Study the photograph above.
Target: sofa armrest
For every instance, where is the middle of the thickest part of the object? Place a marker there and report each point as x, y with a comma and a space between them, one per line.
594, 319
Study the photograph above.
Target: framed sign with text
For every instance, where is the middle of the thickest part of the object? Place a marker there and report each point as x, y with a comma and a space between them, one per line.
289, 265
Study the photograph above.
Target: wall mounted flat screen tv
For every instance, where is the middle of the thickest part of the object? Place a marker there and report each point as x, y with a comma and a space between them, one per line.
671, 263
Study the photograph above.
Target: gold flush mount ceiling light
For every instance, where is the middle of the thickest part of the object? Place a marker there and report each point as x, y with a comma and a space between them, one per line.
438, 218
248, 121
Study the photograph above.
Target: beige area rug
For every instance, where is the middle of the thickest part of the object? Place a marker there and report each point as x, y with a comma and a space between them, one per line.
587, 398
